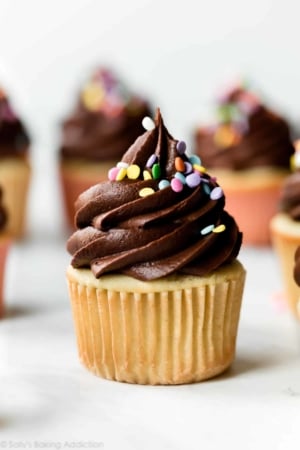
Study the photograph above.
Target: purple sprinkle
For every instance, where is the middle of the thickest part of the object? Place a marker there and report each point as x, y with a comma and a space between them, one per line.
188, 168
152, 160
193, 180
213, 179
216, 193
176, 185
181, 147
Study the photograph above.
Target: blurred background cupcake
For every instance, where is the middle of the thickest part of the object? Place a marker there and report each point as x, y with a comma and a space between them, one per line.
105, 122
15, 169
5, 241
249, 148
285, 230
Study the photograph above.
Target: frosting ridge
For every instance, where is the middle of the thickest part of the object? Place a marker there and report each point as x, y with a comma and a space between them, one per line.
159, 213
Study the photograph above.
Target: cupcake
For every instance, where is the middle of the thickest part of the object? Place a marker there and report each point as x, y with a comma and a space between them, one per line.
154, 282
5, 242
14, 166
285, 229
105, 122
249, 148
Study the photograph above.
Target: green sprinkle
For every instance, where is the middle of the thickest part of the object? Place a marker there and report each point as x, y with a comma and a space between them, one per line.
156, 171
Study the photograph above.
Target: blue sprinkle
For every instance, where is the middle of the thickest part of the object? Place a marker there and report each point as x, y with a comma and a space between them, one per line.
163, 184
180, 177
206, 188
194, 159
207, 229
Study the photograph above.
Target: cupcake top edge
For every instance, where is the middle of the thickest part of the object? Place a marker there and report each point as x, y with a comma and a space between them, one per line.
159, 213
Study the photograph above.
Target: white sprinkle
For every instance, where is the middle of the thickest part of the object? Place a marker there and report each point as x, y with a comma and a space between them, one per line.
122, 165
148, 123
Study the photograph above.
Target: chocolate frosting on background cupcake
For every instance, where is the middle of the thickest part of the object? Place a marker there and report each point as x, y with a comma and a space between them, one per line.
289, 201
247, 134
297, 266
14, 138
3, 215
105, 122
159, 213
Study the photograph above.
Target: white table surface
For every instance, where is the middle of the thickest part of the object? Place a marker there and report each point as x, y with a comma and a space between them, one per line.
48, 400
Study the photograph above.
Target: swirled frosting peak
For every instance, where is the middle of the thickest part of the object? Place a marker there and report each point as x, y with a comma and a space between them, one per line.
245, 134
159, 213
106, 120
14, 139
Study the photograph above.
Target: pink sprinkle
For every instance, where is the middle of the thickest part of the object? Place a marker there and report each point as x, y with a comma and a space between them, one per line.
176, 185
216, 193
112, 173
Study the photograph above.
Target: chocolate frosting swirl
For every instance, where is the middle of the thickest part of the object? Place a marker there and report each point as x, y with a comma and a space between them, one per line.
260, 138
297, 266
105, 122
289, 201
3, 215
153, 236
14, 139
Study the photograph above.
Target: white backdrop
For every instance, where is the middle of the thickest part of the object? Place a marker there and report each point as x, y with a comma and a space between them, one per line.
176, 53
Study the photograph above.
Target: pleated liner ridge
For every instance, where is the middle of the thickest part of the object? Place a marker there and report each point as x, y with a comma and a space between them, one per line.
166, 337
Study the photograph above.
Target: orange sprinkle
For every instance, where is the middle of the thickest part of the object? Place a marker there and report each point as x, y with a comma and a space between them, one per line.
179, 164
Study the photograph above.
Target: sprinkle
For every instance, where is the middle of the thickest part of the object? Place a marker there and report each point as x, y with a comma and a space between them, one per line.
121, 174
216, 193
133, 172
122, 165
148, 123
199, 168
180, 177
176, 185
207, 229
181, 147
219, 228
194, 159
152, 160
163, 184
147, 175
225, 136
112, 173
146, 191
156, 171
93, 96
179, 164
206, 188
193, 180
188, 168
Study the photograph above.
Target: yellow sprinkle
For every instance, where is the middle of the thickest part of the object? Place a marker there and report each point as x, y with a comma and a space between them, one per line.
219, 228
92, 96
121, 174
147, 175
199, 168
146, 191
133, 172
